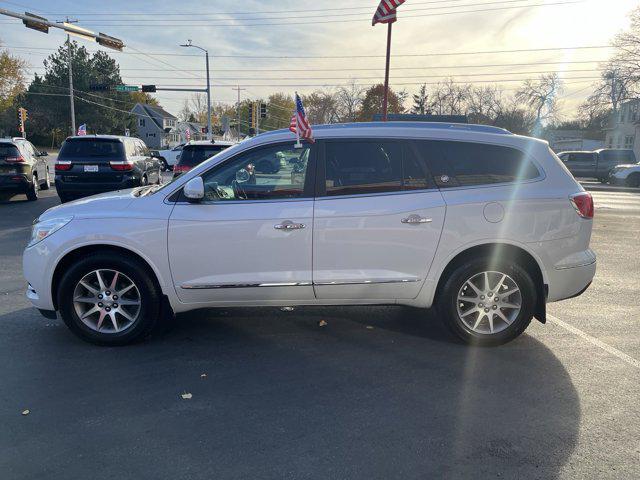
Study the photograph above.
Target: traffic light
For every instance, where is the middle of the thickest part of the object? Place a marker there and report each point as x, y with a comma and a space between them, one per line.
252, 117
149, 88
36, 23
109, 41
22, 114
263, 110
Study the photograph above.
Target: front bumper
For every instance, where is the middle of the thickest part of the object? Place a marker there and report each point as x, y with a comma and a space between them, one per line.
35, 265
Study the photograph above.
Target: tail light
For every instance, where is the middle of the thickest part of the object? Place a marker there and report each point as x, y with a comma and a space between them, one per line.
583, 203
121, 166
62, 165
18, 159
181, 168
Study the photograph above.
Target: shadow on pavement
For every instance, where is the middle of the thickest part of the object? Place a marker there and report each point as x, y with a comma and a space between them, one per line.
282, 398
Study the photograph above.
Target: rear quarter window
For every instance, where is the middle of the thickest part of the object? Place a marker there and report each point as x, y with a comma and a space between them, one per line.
460, 164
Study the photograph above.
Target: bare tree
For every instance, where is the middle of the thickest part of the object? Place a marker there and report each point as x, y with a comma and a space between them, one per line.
541, 96
349, 100
450, 98
485, 103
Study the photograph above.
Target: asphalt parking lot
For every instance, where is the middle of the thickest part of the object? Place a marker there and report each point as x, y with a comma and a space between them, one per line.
379, 392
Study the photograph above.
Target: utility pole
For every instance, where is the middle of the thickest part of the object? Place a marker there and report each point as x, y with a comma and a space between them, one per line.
206, 54
238, 109
71, 104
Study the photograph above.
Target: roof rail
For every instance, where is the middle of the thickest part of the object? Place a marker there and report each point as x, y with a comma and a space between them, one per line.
470, 127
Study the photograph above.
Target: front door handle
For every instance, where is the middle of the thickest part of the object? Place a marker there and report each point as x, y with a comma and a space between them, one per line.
289, 225
416, 219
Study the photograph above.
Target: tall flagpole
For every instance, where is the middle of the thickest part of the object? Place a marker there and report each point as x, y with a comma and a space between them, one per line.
385, 100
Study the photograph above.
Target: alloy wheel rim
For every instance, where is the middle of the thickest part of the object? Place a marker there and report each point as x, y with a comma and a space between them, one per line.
489, 302
107, 301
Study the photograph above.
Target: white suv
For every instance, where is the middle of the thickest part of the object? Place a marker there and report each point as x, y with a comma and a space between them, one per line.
485, 225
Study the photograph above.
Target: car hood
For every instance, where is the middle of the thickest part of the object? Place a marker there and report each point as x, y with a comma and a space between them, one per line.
96, 204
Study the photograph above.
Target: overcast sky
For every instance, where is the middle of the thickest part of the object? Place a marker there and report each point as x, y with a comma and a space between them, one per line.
231, 31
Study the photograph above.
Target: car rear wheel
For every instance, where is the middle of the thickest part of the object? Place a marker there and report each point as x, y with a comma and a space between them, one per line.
164, 166
633, 180
109, 300
33, 188
487, 302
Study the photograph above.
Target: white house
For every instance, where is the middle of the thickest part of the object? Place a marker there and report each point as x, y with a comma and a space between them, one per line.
623, 128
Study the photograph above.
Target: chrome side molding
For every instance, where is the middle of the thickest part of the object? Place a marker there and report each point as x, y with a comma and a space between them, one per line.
216, 286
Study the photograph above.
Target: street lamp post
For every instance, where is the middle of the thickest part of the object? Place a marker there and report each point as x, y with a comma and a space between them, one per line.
206, 54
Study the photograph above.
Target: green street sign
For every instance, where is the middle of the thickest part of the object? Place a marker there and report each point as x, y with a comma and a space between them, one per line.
127, 88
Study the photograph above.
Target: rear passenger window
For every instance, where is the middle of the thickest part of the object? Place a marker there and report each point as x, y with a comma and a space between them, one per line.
464, 164
372, 166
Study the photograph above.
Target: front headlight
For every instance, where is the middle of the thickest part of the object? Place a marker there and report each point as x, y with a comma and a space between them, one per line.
42, 230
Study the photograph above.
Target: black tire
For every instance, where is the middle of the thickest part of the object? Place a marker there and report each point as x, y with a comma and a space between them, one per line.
603, 180
447, 301
164, 166
144, 181
34, 186
46, 185
633, 180
150, 296
63, 197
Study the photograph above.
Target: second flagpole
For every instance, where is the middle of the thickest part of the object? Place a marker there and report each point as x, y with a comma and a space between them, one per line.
385, 100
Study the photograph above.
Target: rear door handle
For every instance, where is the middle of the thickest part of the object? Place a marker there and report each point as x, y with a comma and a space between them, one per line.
289, 225
416, 219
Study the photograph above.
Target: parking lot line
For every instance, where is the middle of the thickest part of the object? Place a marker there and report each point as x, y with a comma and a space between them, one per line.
594, 341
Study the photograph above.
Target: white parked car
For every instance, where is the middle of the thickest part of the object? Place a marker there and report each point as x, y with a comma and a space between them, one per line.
627, 175
485, 225
169, 156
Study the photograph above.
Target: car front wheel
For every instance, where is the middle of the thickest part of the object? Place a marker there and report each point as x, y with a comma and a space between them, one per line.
109, 300
487, 302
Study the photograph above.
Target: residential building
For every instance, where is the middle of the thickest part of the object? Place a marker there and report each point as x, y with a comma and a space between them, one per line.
156, 126
623, 128
563, 140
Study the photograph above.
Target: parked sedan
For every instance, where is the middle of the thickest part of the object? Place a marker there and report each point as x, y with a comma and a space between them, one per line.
88, 165
23, 169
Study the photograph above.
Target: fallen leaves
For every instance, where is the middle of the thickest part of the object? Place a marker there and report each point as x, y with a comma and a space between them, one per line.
186, 396
322, 323
26, 412
203, 375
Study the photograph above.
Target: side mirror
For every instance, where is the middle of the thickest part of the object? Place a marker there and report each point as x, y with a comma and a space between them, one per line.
194, 190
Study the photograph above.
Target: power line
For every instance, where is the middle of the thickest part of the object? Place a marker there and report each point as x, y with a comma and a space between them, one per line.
317, 22
395, 55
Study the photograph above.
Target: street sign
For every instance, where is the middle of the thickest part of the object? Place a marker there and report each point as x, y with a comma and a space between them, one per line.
148, 88
100, 87
127, 88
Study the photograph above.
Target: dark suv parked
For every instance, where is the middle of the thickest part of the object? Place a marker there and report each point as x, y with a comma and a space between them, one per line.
94, 164
196, 152
23, 169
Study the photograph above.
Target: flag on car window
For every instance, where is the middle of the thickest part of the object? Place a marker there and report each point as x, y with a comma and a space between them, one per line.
82, 129
386, 12
299, 122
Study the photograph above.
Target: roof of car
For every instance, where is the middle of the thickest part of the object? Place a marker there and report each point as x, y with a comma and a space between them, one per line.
462, 127
204, 143
104, 137
12, 139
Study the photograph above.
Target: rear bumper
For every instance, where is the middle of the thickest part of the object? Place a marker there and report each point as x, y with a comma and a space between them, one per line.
570, 282
17, 182
90, 188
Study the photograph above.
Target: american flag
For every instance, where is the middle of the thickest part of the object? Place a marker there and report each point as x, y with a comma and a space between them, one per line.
300, 123
386, 12
187, 134
82, 129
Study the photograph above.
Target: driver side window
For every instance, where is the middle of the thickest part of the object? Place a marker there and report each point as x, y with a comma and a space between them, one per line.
265, 173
